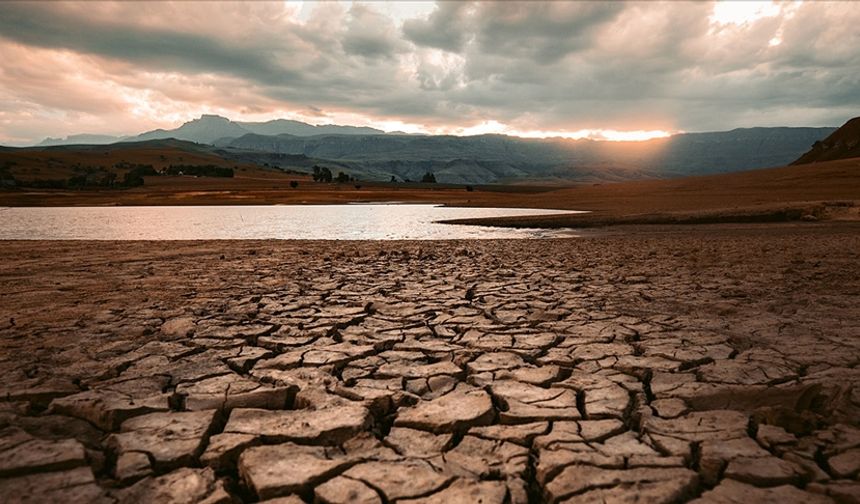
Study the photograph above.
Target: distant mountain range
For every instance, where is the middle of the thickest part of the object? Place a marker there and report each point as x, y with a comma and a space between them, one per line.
498, 158
372, 154
210, 128
82, 139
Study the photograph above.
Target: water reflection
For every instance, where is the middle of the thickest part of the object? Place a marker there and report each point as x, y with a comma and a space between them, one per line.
290, 222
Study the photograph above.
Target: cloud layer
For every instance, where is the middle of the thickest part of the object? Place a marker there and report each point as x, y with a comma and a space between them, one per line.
453, 67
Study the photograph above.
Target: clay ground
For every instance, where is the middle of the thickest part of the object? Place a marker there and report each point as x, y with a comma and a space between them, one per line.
666, 364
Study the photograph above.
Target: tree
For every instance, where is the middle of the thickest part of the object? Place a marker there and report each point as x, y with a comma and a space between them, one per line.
341, 178
428, 178
393, 179
322, 174
469, 188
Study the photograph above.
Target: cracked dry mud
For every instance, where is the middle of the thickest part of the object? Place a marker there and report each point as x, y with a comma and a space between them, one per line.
715, 364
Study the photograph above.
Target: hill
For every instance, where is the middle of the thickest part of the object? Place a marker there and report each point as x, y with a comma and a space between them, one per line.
152, 151
205, 130
101, 165
843, 143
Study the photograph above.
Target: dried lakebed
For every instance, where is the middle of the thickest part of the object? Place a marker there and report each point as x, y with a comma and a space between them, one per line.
711, 364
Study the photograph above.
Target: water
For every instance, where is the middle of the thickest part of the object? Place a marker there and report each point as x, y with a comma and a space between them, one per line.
288, 222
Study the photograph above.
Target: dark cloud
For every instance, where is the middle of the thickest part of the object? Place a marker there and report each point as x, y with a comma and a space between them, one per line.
532, 66
39, 25
444, 29
370, 34
540, 31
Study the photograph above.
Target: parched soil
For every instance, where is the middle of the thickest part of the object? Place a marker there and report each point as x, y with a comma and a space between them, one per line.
709, 364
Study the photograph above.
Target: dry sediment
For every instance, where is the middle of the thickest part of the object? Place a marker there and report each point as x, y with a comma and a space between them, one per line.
708, 364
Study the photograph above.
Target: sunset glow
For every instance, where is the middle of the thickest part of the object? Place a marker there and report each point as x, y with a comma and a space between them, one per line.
608, 135
591, 134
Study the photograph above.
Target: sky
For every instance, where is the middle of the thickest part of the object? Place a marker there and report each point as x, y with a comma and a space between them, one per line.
612, 70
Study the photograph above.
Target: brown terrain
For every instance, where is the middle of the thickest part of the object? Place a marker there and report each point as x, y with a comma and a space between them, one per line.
50, 163
829, 190
654, 364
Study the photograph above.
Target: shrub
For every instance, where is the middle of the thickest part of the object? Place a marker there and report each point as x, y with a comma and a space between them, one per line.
293, 184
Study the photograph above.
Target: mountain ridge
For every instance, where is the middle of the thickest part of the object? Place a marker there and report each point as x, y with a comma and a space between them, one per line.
503, 158
80, 139
492, 158
211, 127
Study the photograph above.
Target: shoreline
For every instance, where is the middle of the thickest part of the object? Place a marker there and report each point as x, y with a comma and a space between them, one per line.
622, 229
801, 211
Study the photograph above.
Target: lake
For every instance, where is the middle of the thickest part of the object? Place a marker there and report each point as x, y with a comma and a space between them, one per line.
286, 222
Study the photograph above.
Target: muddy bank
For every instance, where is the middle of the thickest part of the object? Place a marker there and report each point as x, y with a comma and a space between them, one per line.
795, 212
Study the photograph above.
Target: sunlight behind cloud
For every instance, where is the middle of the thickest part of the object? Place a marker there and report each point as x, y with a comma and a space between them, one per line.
631, 136
400, 11
741, 12
301, 10
495, 127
